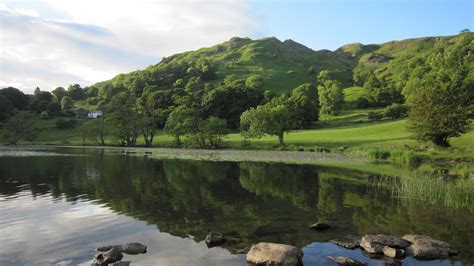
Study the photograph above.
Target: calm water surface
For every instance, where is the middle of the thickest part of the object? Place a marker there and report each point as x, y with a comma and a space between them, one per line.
58, 205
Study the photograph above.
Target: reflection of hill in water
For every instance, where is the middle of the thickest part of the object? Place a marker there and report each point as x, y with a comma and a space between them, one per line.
252, 201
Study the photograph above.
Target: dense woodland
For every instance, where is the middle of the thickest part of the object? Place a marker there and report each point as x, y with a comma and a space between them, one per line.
263, 87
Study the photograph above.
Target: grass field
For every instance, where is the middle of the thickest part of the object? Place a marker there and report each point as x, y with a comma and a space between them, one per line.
351, 131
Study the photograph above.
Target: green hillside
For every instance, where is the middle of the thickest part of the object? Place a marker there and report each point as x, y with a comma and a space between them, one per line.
284, 65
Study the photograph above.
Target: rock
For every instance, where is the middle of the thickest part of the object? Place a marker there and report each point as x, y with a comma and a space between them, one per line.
320, 226
393, 252
427, 248
121, 263
129, 248
274, 254
134, 248
243, 250
376, 243
213, 239
345, 261
105, 258
349, 242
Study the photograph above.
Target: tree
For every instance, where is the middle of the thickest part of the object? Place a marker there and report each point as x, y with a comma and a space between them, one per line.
40, 101
215, 129
231, 99
331, 96
75, 92
6, 108
59, 93
395, 111
95, 130
67, 103
272, 118
123, 118
442, 104
21, 126
16, 97
53, 108
179, 122
305, 105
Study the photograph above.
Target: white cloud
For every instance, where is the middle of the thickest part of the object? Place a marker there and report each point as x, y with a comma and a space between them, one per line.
55, 42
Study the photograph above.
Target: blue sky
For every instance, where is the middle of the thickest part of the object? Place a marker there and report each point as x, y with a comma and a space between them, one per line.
331, 24
51, 43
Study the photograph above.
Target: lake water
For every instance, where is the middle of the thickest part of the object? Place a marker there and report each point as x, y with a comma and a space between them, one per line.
57, 205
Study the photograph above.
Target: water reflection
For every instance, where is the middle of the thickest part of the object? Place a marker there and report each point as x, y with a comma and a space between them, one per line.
251, 202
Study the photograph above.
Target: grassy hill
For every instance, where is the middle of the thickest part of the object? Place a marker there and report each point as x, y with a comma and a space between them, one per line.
284, 65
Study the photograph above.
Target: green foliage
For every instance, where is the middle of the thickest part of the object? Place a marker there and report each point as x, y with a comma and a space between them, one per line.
40, 101
95, 130
231, 98
67, 103
65, 123
331, 96
59, 93
6, 108
75, 92
53, 108
273, 118
441, 105
377, 154
304, 104
405, 158
123, 118
16, 97
395, 111
21, 126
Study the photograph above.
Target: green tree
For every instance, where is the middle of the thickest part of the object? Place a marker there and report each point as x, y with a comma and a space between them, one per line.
441, 105
16, 97
6, 108
53, 108
21, 126
305, 104
59, 93
179, 122
230, 99
66, 103
215, 129
95, 130
273, 119
75, 92
331, 96
124, 119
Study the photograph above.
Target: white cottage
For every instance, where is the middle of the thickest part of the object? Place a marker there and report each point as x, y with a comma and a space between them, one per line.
94, 114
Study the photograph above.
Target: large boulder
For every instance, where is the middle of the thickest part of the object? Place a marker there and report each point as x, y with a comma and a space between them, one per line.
393, 252
274, 254
376, 243
427, 248
108, 257
129, 248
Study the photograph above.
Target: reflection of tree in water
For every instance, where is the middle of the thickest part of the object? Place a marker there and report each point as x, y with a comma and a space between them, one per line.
253, 201
296, 183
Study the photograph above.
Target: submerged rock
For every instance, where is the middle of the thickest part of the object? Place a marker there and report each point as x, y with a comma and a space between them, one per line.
320, 226
427, 248
274, 254
393, 252
213, 239
121, 263
376, 243
129, 248
108, 257
345, 261
349, 242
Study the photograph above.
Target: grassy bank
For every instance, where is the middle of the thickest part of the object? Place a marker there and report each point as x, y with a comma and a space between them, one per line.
350, 132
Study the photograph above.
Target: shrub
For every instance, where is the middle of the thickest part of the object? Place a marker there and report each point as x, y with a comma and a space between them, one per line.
65, 123
93, 101
374, 115
362, 103
377, 154
395, 111
405, 158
